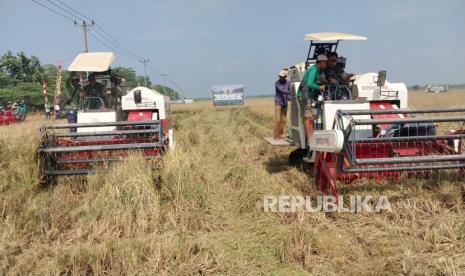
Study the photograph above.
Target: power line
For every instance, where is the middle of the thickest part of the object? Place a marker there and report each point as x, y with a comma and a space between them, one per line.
115, 45
106, 36
109, 37
85, 28
165, 78
105, 44
100, 27
145, 61
103, 25
71, 14
71, 8
52, 10
121, 45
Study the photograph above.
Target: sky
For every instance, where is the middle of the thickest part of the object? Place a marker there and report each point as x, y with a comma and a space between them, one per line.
200, 43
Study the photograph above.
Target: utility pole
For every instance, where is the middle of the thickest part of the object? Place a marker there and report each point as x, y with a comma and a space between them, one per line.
85, 28
180, 94
145, 61
163, 75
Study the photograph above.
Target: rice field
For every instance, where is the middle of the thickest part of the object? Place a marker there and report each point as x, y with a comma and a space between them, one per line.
206, 214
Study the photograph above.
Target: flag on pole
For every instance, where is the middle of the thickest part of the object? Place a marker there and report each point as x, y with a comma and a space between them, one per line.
58, 81
57, 85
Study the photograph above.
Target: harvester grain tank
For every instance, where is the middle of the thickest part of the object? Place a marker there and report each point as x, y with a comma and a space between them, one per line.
108, 127
365, 129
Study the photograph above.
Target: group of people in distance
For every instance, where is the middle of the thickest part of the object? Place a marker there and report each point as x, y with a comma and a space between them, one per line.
19, 109
48, 110
325, 72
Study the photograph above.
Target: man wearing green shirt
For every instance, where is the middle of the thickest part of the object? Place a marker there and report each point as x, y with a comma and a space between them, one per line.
311, 84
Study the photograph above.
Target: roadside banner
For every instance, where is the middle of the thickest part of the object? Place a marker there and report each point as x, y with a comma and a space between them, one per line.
228, 95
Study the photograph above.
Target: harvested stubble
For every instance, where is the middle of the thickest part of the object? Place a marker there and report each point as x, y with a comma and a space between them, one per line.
206, 215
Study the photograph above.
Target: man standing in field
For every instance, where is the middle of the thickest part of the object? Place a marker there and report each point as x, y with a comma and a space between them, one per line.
282, 86
22, 109
48, 107
57, 111
308, 93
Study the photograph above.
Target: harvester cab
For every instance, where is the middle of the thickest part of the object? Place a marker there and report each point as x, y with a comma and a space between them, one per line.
109, 126
361, 92
105, 107
369, 132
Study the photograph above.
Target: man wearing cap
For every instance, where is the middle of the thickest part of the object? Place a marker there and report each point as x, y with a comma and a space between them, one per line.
94, 89
308, 93
282, 86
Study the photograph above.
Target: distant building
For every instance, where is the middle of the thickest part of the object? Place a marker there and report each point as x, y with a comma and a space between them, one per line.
188, 100
436, 88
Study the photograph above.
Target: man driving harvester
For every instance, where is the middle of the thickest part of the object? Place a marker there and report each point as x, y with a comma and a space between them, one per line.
94, 89
333, 73
308, 93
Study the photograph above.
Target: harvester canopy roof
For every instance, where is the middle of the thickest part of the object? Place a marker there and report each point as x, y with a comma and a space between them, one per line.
333, 36
92, 62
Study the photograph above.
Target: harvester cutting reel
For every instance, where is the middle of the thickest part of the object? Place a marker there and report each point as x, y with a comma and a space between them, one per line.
380, 144
82, 148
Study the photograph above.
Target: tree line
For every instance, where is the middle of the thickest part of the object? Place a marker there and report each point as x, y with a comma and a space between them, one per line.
21, 77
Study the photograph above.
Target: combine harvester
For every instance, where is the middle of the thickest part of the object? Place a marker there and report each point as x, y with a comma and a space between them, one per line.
7, 117
108, 128
366, 130
13, 115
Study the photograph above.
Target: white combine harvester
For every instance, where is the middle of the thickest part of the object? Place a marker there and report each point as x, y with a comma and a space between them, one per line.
108, 127
364, 128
